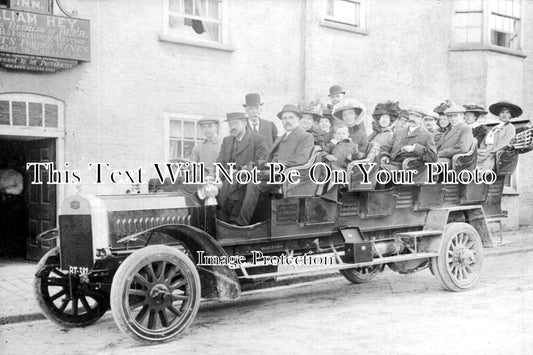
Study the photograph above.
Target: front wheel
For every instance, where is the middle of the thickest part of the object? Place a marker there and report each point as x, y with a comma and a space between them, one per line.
458, 264
63, 299
155, 294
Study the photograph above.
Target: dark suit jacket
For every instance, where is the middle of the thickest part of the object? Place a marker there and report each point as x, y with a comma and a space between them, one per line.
268, 130
292, 150
252, 148
457, 140
425, 148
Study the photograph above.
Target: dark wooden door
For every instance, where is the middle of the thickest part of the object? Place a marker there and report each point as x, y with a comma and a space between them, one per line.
41, 198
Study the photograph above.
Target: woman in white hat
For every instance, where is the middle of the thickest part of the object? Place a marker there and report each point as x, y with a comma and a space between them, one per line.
499, 136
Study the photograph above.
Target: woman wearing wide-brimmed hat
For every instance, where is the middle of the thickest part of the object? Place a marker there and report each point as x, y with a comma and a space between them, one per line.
472, 114
350, 112
384, 115
500, 135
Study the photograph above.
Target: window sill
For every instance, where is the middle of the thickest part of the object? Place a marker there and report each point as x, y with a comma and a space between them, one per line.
201, 44
486, 48
343, 27
509, 191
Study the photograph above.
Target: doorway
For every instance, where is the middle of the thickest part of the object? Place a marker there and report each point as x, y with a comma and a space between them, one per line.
24, 215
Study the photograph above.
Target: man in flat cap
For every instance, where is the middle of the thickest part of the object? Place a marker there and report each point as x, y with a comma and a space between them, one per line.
413, 141
254, 109
242, 147
207, 151
291, 149
456, 140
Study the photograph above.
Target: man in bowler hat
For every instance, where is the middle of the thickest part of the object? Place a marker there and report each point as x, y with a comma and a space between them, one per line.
254, 109
242, 147
291, 149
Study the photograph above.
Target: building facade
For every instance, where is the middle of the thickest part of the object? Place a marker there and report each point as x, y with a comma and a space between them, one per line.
155, 68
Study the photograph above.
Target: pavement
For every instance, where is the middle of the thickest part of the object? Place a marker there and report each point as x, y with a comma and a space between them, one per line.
17, 301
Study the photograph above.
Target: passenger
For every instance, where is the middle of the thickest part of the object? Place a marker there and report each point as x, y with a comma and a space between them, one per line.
458, 139
336, 96
403, 120
253, 107
472, 113
410, 142
430, 124
311, 115
442, 107
385, 114
325, 124
350, 112
499, 136
242, 147
208, 150
291, 149
341, 150
444, 124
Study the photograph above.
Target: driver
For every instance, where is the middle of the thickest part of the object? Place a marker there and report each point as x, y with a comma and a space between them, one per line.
291, 149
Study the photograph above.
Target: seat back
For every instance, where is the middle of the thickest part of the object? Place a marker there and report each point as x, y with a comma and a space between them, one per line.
506, 161
466, 161
305, 187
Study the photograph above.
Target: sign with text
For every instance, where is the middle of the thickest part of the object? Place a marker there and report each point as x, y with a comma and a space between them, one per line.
42, 6
35, 63
44, 35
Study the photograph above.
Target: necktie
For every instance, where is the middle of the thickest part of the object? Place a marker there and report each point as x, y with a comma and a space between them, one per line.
255, 127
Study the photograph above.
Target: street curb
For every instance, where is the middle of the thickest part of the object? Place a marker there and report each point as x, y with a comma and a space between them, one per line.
21, 318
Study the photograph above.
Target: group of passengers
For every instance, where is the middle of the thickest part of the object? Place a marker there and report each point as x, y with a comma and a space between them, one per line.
338, 131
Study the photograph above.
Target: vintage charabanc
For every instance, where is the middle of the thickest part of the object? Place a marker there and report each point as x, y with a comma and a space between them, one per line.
138, 254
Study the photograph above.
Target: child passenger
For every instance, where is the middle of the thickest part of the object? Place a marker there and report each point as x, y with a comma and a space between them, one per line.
341, 149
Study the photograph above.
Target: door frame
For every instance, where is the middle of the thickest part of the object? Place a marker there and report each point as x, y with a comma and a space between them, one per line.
40, 132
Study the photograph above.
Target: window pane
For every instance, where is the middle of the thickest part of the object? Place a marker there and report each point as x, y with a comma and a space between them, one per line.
4, 112
461, 20
175, 149
474, 35
475, 5
516, 10
19, 113
36, 114
331, 6
201, 8
461, 5
346, 12
188, 7
188, 130
509, 8
174, 5
213, 9
50, 115
475, 19
175, 129
460, 35
187, 148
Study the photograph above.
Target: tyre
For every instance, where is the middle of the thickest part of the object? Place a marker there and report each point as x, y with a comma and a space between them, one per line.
155, 294
361, 275
458, 264
65, 303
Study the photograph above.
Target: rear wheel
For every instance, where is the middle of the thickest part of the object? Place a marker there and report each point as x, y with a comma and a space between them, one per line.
458, 264
361, 275
62, 299
155, 294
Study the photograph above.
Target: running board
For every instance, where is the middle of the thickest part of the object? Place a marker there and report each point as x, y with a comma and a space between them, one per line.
307, 270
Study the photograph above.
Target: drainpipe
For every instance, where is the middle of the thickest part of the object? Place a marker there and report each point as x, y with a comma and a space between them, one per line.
303, 49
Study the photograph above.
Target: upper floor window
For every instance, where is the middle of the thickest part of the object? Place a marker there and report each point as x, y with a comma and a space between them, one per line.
505, 23
347, 12
194, 19
488, 22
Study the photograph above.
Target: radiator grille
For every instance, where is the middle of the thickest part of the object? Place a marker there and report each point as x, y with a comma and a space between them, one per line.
75, 236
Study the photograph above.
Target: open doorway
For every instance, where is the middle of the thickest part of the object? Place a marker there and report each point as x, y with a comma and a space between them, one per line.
26, 212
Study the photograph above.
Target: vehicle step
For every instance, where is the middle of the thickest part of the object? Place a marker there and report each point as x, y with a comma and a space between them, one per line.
416, 234
306, 270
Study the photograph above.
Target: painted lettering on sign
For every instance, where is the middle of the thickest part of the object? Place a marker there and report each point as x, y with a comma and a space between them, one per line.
44, 35
31, 5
